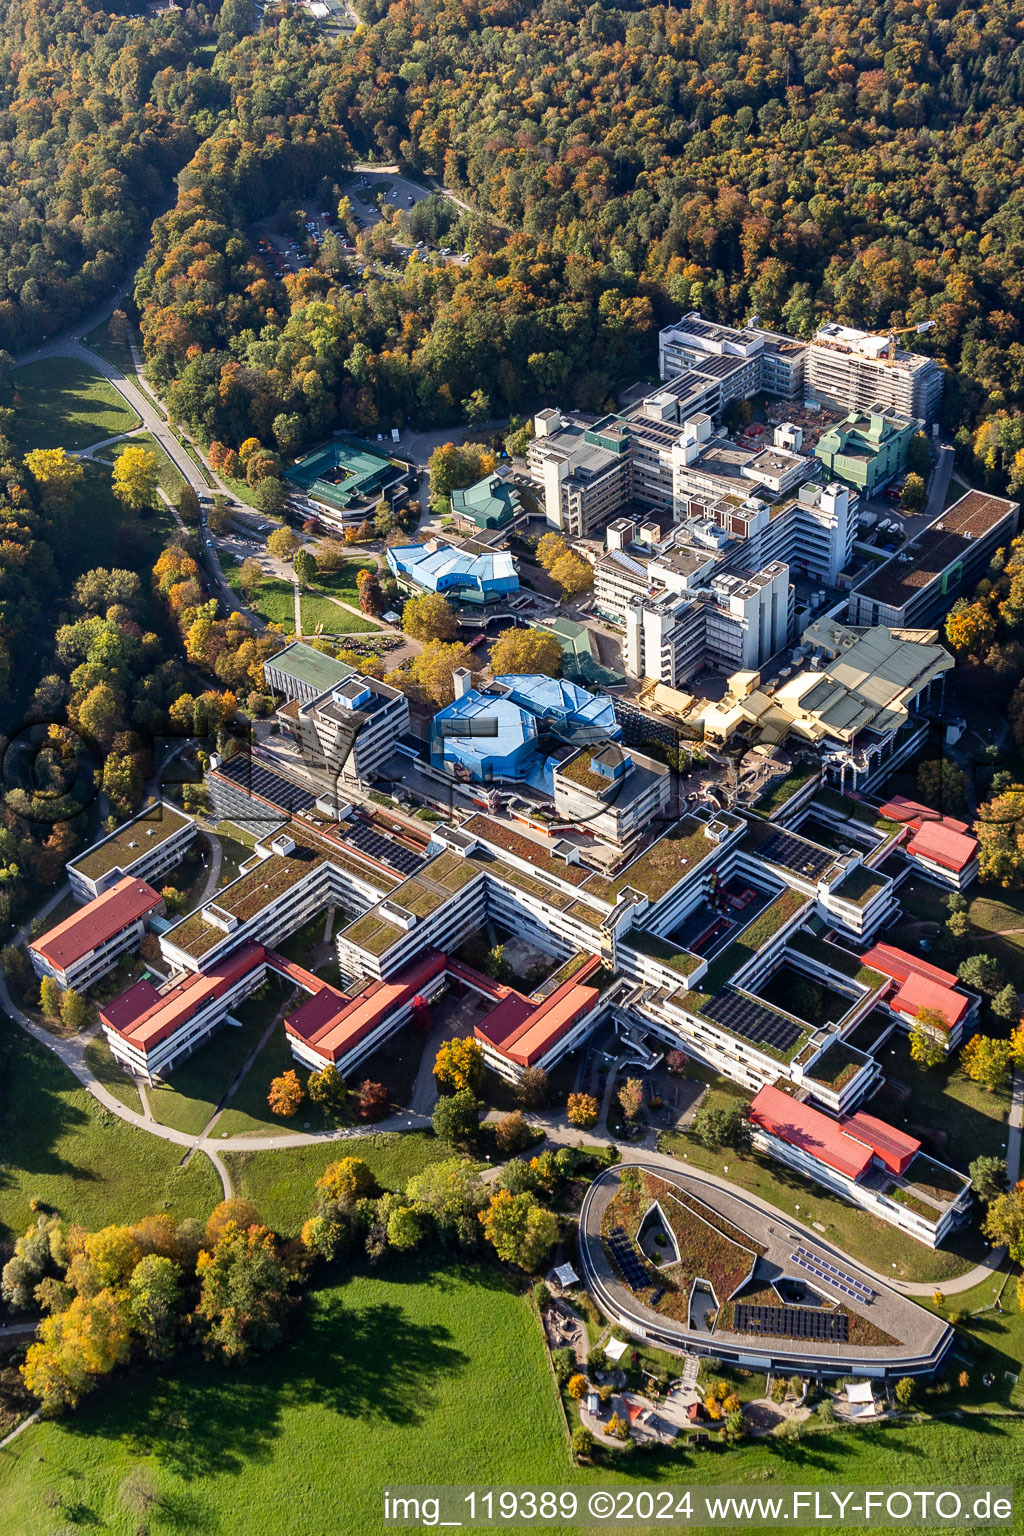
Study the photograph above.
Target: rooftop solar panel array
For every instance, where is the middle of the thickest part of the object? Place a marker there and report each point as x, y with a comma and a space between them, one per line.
376, 846
792, 1322
257, 780
825, 1270
746, 1017
625, 1256
795, 853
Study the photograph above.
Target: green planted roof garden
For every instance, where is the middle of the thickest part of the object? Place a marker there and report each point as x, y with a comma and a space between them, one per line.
132, 841
683, 961
753, 938
859, 886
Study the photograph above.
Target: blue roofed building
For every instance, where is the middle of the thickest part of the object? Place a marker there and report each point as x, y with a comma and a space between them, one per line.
509, 732
569, 711
459, 575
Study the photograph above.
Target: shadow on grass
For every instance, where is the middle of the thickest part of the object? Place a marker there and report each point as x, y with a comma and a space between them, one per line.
34, 1114
359, 1363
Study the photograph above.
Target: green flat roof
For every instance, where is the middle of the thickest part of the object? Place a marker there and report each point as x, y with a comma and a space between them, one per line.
132, 841
311, 667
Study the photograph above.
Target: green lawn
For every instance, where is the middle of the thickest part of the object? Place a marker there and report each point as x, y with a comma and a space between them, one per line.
169, 478
59, 1145
273, 599
411, 1376
63, 403
431, 1377
92, 537
955, 1119
342, 582
194, 1089
280, 1184
335, 621
101, 1059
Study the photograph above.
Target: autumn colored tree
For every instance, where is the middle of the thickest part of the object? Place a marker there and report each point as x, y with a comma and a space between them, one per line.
512, 1133
429, 617
235, 1209
573, 574
459, 1064
583, 1110
551, 548
374, 1100
431, 672
1004, 1222
282, 544
326, 1088
987, 1061
134, 478
58, 478
243, 1293
631, 1097
344, 1182
50, 997
576, 1386
76, 1347
74, 1010
520, 1230
928, 1037
526, 650
970, 627
286, 1094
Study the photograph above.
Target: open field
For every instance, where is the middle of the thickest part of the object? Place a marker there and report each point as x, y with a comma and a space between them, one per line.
101, 1059
955, 1119
273, 599
59, 1145
280, 1184
436, 1375
416, 1375
62, 403
318, 610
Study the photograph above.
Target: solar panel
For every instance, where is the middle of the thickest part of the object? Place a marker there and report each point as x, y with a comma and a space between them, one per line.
629, 1266
255, 779
752, 1020
832, 1275
795, 853
792, 1322
373, 843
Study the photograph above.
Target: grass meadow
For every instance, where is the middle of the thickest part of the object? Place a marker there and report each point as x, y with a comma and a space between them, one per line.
63, 403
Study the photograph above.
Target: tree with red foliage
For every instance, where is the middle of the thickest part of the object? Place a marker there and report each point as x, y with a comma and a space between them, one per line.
374, 1100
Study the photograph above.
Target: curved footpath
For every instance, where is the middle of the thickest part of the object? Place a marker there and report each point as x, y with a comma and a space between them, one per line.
557, 1130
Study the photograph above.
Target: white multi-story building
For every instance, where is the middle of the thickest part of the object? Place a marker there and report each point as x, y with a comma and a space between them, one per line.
89, 943
757, 359
612, 793
851, 370
737, 621
145, 848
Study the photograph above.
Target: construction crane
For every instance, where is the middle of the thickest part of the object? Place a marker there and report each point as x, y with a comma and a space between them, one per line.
908, 330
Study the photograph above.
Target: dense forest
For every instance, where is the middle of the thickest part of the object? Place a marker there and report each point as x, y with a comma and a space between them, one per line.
97, 114
858, 161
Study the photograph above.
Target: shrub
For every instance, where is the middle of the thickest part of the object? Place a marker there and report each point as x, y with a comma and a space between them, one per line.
512, 1132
